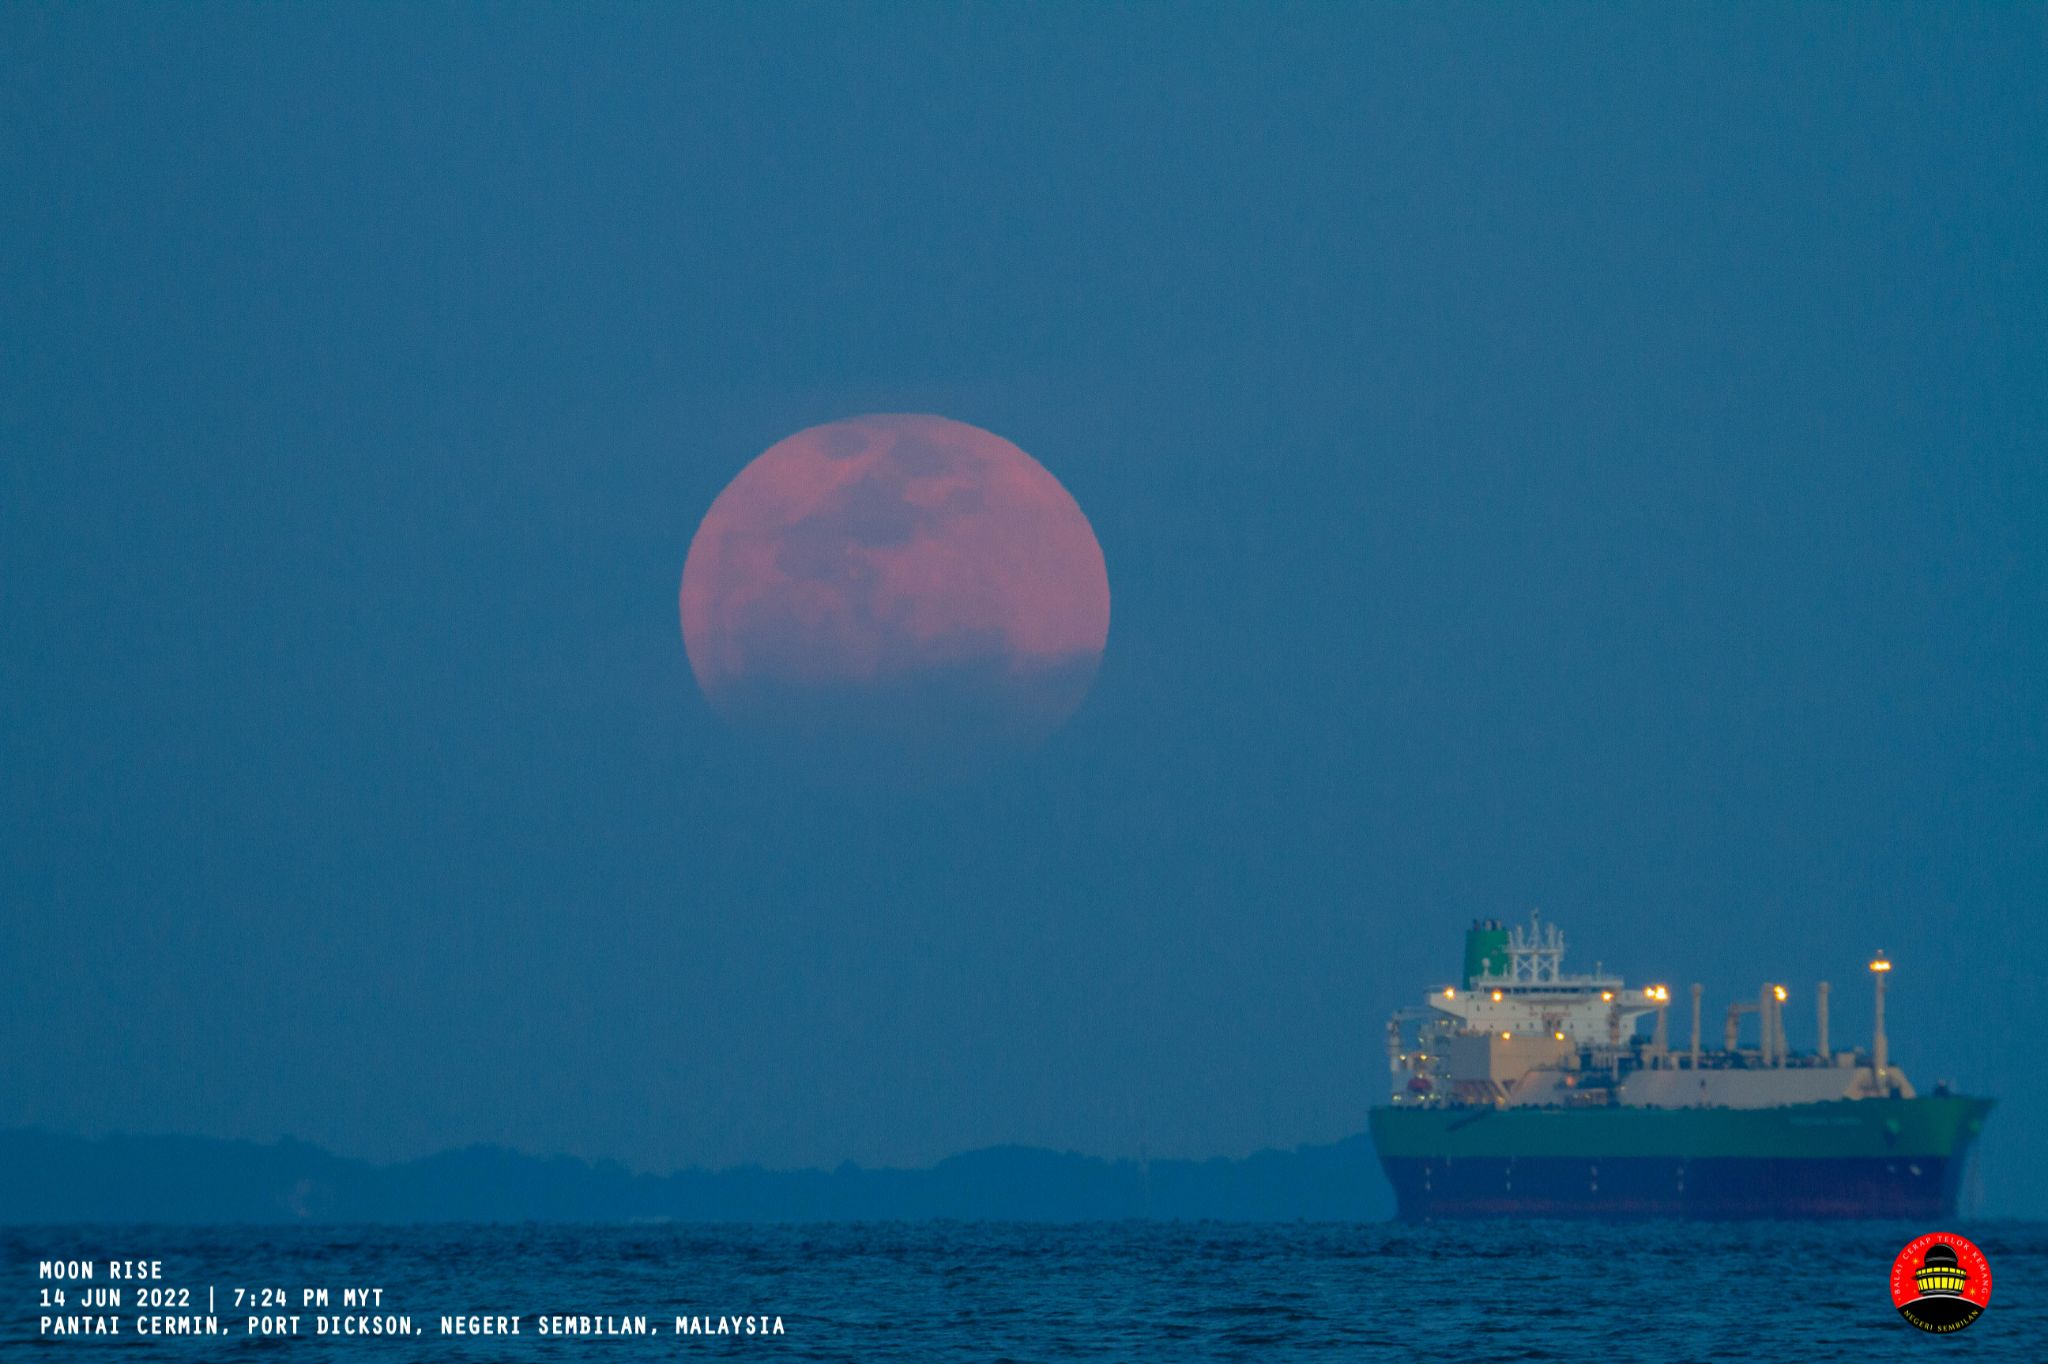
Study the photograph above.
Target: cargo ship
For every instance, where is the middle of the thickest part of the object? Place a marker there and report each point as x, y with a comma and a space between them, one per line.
1522, 1091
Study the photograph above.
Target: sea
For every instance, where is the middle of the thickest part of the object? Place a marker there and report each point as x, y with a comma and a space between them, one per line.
1126, 1291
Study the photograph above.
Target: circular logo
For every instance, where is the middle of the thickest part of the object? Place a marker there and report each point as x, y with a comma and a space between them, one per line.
1941, 1282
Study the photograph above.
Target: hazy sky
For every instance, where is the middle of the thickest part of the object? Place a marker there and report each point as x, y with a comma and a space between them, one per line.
1587, 458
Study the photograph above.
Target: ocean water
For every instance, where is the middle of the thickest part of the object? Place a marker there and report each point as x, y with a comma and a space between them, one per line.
1124, 1291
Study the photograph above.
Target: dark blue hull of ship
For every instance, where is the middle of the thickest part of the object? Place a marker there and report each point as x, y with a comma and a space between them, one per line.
1427, 1188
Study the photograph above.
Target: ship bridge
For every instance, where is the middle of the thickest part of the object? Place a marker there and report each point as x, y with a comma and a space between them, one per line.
1516, 985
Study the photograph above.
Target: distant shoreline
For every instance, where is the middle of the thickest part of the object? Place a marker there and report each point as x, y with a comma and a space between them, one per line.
48, 1177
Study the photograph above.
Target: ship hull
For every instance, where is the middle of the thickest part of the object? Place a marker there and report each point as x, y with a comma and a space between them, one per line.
1896, 1158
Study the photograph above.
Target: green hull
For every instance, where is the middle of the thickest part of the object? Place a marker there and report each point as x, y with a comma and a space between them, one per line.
1940, 1127
1898, 1158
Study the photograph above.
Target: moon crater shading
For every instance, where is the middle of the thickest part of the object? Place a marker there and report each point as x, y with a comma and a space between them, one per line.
895, 596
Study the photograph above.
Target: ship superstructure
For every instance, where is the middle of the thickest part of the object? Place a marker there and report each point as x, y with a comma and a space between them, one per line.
1526, 1089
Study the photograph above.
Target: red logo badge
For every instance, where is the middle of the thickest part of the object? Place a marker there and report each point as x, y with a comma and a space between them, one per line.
1941, 1282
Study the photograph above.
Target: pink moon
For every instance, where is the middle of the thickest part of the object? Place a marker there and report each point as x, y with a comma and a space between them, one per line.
893, 596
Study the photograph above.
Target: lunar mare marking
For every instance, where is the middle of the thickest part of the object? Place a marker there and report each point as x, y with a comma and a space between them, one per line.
895, 587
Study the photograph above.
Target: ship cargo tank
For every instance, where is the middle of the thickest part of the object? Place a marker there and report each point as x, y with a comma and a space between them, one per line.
1526, 1091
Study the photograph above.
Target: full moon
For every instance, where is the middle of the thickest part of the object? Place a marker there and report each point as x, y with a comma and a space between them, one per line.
895, 597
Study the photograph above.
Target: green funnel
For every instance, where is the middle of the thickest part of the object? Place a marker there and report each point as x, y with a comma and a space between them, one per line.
1486, 950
